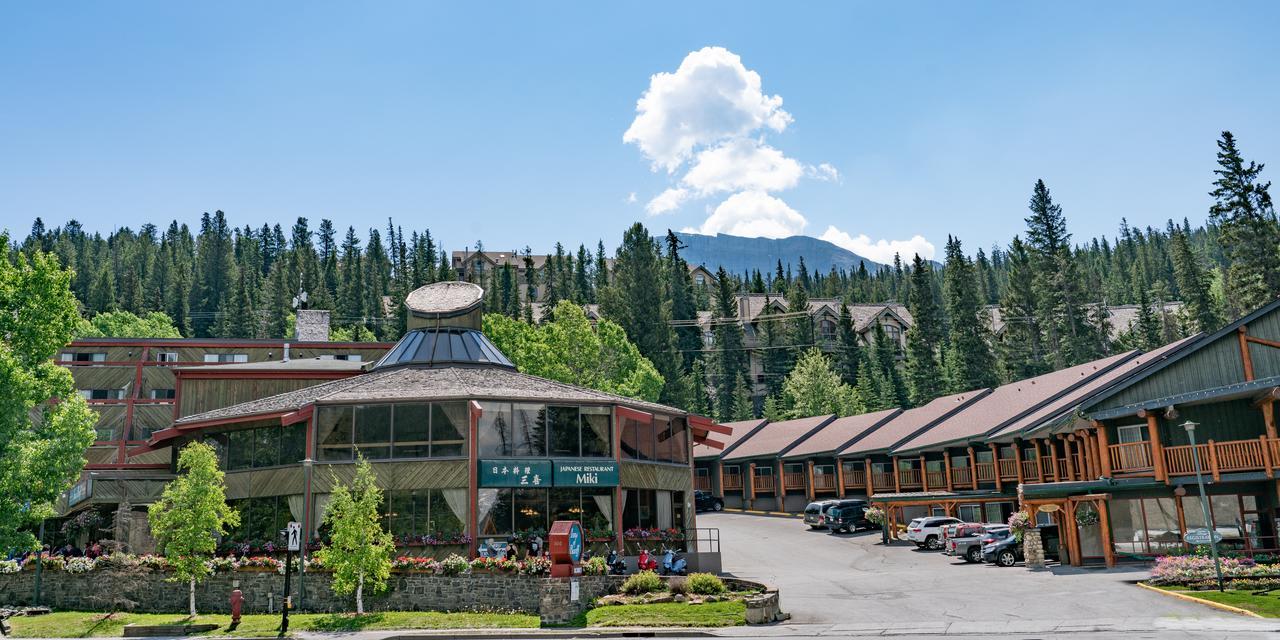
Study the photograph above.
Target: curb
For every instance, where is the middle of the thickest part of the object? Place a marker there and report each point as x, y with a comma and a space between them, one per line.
771, 514
1209, 603
567, 633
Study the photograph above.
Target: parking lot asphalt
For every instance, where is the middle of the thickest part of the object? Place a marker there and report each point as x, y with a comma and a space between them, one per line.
852, 578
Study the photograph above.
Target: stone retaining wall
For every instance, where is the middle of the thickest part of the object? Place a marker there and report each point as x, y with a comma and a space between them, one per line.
147, 591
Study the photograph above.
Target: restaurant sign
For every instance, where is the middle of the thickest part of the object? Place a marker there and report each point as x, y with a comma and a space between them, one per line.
515, 473
586, 473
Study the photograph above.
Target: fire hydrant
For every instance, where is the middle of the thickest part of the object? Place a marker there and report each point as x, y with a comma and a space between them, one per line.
237, 603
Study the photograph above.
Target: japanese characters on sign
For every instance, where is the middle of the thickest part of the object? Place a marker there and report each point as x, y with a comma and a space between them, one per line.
515, 473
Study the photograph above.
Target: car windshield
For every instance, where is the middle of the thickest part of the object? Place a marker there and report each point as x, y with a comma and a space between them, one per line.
916, 523
813, 507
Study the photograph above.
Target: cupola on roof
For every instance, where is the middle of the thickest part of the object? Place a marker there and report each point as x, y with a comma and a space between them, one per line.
444, 322
445, 304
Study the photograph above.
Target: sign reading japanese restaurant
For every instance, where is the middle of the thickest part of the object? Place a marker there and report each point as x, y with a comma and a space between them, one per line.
515, 473
586, 473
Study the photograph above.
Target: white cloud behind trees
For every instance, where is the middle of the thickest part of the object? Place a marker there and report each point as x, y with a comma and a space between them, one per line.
705, 125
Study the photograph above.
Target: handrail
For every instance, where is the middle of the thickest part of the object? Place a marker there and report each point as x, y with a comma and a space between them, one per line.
882, 480
1131, 456
962, 475
909, 477
1030, 470
824, 481
1008, 468
1179, 461
793, 480
702, 483
986, 471
733, 481
937, 479
762, 483
855, 478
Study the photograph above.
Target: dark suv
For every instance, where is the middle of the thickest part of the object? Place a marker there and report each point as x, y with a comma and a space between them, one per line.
848, 515
704, 501
1003, 549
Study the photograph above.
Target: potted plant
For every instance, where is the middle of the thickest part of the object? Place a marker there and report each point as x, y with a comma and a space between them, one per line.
876, 516
1019, 522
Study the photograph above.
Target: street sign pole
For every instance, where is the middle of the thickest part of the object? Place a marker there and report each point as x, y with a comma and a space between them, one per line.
1204, 502
293, 535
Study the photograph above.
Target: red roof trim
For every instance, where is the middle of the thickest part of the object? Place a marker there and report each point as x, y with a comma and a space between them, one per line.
301, 415
706, 424
627, 412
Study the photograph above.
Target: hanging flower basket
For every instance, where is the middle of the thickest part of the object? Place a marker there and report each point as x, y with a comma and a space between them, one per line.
1086, 516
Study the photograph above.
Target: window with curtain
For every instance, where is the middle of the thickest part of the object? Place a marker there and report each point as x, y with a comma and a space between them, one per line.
529, 430
293, 443
335, 431
679, 440
661, 439
494, 435
645, 440
411, 434
564, 428
496, 509
450, 423
597, 432
373, 431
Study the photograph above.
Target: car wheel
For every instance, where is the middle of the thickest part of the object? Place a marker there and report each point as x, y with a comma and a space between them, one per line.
933, 543
717, 506
974, 555
1006, 558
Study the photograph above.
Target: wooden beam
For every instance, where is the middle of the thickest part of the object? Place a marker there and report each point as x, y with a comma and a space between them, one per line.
1104, 448
1157, 450
1266, 456
1263, 341
1244, 353
1017, 460
871, 485
749, 486
946, 468
1108, 553
973, 469
1053, 459
1269, 417
924, 474
995, 462
897, 483
809, 493
839, 478
1213, 460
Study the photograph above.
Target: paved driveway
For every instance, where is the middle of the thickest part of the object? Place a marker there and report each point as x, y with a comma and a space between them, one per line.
852, 578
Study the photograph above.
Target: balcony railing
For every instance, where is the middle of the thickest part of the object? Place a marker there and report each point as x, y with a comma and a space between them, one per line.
793, 480
1008, 469
1030, 469
702, 483
909, 477
1130, 457
1046, 467
824, 482
883, 481
937, 479
855, 478
962, 476
733, 482
1062, 468
762, 484
986, 471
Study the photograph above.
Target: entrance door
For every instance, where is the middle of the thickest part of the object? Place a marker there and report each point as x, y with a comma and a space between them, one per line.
1090, 535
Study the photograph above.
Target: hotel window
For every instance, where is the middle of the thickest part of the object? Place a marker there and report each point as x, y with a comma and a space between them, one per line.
765, 471
102, 394
224, 358
167, 356
83, 357
565, 431
373, 431
597, 432
163, 394
700, 280
969, 512
827, 329
412, 431
335, 429
1129, 434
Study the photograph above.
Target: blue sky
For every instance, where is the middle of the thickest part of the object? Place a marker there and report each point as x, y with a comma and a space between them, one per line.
505, 122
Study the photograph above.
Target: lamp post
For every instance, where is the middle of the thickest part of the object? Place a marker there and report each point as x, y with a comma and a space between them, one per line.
1204, 501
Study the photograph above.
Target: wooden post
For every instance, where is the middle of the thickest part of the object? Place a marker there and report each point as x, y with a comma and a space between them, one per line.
1035, 443
1266, 456
809, 492
1244, 353
749, 487
1017, 460
1069, 457
839, 478
871, 485
995, 462
1213, 460
924, 473
1104, 448
1105, 531
1182, 519
1090, 462
946, 468
720, 479
1053, 459
1157, 450
1269, 416
779, 486
973, 469
897, 482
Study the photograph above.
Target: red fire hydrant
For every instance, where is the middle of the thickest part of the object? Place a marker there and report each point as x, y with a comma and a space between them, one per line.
237, 602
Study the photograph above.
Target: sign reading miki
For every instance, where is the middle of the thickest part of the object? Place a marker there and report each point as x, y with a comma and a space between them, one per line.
547, 473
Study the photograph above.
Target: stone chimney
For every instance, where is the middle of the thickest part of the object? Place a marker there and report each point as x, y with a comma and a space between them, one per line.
311, 325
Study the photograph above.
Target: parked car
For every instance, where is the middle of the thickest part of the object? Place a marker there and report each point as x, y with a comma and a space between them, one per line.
1004, 549
927, 532
949, 532
967, 541
848, 515
814, 512
705, 501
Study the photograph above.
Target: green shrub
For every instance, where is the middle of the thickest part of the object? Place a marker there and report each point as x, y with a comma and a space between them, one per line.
705, 584
678, 586
596, 566
643, 582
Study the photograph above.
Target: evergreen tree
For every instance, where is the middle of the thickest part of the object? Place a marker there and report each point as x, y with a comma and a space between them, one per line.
730, 355
800, 332
969, 362
775, 349
240, 320
888, 382
351, 299
1247, 228
849, 356
1193, 285
636, 300
924, 340
1021, 354
1060, 304
684, 313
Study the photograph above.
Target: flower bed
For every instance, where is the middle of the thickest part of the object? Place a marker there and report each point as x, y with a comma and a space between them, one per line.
1198, 571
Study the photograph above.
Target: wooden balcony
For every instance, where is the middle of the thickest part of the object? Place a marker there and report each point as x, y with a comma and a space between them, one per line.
937, 479
962, 476
1046, 468
909, 478
793, 480
883, 481
1008, 468
986, 471
855, 478
824, 482
702, 483
732, 482
762, 484
1030, 470
1130, 458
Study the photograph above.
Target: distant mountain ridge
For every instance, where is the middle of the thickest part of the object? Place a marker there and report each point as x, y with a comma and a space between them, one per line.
740, 255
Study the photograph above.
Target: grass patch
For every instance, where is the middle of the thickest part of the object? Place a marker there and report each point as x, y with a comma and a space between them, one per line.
669, 614
1267, 605
79, 624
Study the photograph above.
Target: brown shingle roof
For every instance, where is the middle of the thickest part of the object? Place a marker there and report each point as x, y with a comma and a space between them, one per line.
442, 383
910, 422
1009, 402
840, 432
774, 438
741, 429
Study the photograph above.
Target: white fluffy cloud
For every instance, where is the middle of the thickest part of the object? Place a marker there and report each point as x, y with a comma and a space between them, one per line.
668, 200
881, 251
742, 164
753, 214
711, 97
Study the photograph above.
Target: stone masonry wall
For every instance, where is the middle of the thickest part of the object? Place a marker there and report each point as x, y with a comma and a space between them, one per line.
143, 590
